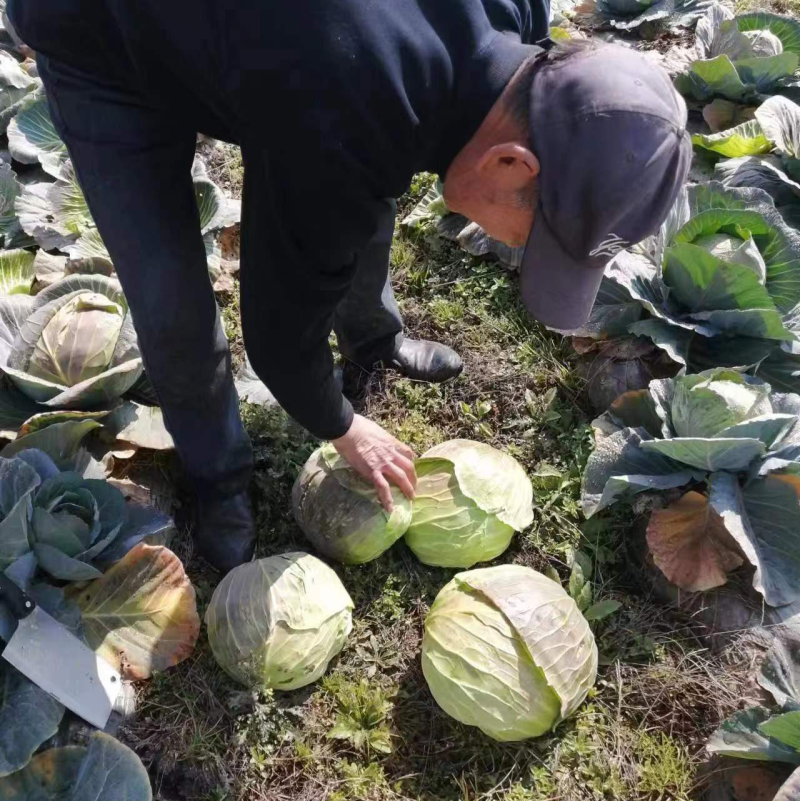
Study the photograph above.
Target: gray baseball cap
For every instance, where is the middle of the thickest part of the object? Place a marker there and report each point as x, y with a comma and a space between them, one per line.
609, 131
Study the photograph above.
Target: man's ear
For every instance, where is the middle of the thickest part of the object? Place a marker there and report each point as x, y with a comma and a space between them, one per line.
510, 166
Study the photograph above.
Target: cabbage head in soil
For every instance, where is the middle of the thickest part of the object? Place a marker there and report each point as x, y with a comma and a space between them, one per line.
742, 58
507, 650
277, 622
732, 447
341, 514
763, 153
719, 285
72, 346
470, 500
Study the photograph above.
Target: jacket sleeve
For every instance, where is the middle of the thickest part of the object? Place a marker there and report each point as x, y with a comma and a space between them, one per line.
529, 19
303, 225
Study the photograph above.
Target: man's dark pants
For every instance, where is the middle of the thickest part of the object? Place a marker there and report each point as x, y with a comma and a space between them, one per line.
134, 166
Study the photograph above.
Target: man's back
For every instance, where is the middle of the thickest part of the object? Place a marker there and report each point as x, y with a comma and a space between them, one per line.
367, 75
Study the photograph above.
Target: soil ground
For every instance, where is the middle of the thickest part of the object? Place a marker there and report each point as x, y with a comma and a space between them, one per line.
641, 734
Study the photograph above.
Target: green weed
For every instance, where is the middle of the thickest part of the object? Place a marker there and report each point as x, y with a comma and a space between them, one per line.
361, 717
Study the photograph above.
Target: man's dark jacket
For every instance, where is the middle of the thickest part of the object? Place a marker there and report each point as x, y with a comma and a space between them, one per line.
336, 103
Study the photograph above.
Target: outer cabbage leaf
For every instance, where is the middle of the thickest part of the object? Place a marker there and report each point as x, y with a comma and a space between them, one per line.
779, 119
141, 616
16, 272
15, 86
747, 139
431, 207
107, 769
709, 454
493, 479
764, 519
690, 544
32, 137
619, 466
741, 737
671, 14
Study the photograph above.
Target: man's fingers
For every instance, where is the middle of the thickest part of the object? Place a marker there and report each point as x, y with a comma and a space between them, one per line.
384, 490
406, 451
407, 466
399, 477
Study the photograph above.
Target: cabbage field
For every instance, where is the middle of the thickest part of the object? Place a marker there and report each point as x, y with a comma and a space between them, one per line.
595, 594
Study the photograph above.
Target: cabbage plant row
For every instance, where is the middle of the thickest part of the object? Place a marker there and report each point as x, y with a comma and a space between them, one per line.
70, 370
98, 565
68, 345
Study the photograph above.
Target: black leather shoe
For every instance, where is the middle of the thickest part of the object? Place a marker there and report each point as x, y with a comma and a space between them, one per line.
421, 360
224, 532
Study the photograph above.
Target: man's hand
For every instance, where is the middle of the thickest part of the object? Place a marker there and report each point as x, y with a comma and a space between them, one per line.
378, 457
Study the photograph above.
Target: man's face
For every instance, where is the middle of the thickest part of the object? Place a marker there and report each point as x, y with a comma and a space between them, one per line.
511, 224
497, 191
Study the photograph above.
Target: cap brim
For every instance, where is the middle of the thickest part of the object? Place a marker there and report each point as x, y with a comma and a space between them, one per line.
557, 290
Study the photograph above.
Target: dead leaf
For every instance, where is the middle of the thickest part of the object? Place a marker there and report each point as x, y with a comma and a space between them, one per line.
141, 616
690, 544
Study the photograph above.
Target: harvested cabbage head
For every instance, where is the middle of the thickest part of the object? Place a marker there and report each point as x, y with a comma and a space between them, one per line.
341, 514
278, 622
470, 500
507, 650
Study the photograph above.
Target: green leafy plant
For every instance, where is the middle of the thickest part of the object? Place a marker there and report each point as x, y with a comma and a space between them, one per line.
628, 15
341, 514
59, 530
507, 650
276, 623
716, 286
362, 714
763, 153
581, 589
766, 735
69, 351
470, 499
733, 447
69, 526
742, 58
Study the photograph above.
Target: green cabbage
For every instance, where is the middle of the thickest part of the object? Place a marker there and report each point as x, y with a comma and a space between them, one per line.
507, 650
278, 622
470, 500
341, 514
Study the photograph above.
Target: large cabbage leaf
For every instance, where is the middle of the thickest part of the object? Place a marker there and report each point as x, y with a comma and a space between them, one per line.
106, 769
763, 516
32, 137
628, 15
141, 615
15, 86
495, 481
